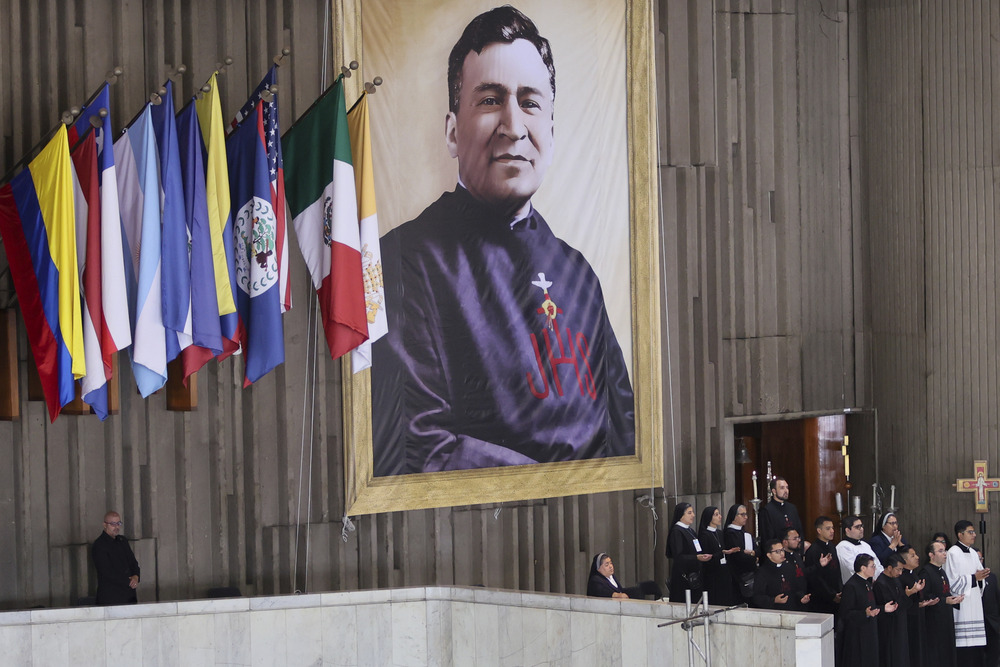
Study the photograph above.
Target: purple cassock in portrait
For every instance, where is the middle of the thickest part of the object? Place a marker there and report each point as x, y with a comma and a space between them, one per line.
499, 349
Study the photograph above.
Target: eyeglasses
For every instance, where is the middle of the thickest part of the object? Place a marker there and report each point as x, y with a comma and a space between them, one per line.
741, 514
776, 551
114, 523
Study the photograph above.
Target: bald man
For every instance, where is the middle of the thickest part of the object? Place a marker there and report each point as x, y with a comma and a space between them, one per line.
117, 568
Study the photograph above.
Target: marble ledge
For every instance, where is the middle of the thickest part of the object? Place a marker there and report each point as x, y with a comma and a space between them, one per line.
63, 615
496, 596
15, 618
214, 606
339, 598
307, 600
546, 601
814, 625
146, 610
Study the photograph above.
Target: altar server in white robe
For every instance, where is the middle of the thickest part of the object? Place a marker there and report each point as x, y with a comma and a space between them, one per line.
852, 546
966, 574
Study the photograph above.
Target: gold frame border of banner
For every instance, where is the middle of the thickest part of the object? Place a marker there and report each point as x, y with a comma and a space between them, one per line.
366, 494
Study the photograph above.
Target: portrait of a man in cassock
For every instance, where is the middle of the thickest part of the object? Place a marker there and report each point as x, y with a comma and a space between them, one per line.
500, 350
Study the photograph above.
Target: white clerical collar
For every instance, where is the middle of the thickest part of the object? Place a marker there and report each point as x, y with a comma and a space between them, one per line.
886, 536
711, 528
682, 525
734, 526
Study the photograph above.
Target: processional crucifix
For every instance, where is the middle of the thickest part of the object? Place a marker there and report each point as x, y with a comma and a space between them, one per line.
981, 484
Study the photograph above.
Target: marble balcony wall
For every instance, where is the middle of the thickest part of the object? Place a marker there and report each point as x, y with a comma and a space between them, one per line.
412, 626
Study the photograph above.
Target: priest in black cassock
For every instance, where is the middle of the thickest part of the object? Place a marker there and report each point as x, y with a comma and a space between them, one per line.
893, 641
791, 541
858, 610
823, 570
939, 633
773, 586
914, 583
778, 514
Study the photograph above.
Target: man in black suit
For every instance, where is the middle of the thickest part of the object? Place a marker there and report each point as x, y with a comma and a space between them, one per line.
117, 568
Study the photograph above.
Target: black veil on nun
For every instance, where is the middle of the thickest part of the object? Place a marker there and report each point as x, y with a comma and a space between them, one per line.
679, 510
731, 516
596, 563
706, 518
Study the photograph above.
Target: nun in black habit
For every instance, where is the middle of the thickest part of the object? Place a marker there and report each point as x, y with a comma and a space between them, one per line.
716, 573
684, 548
602, 582
743, 561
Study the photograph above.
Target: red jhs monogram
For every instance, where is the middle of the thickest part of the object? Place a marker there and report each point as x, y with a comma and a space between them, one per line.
566, 355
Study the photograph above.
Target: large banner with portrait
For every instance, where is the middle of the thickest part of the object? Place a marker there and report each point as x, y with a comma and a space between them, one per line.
514, 163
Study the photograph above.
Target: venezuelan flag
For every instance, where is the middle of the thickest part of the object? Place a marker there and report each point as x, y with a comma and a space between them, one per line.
38, 225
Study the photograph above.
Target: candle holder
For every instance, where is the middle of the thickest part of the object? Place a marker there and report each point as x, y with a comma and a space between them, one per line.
756, 517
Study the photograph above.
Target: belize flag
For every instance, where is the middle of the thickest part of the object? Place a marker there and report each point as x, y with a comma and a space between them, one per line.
275, 170
37, 224
258, 293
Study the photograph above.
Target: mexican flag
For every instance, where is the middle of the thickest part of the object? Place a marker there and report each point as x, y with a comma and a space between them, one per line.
320, 191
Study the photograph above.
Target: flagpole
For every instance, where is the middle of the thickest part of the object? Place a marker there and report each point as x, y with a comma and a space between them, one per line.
310, 381
323, 94
34, 149
220, 68
110, 77
71, 113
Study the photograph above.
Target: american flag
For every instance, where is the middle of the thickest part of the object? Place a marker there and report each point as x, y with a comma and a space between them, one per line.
272, 140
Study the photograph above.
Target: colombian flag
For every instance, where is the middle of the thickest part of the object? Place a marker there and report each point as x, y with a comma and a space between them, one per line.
37, 222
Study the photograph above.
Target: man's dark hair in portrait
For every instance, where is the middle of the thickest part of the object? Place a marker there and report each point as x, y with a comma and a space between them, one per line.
499, 350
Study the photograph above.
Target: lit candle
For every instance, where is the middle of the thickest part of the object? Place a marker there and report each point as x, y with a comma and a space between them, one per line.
892, 497
857, 505
840, 504
754, 484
